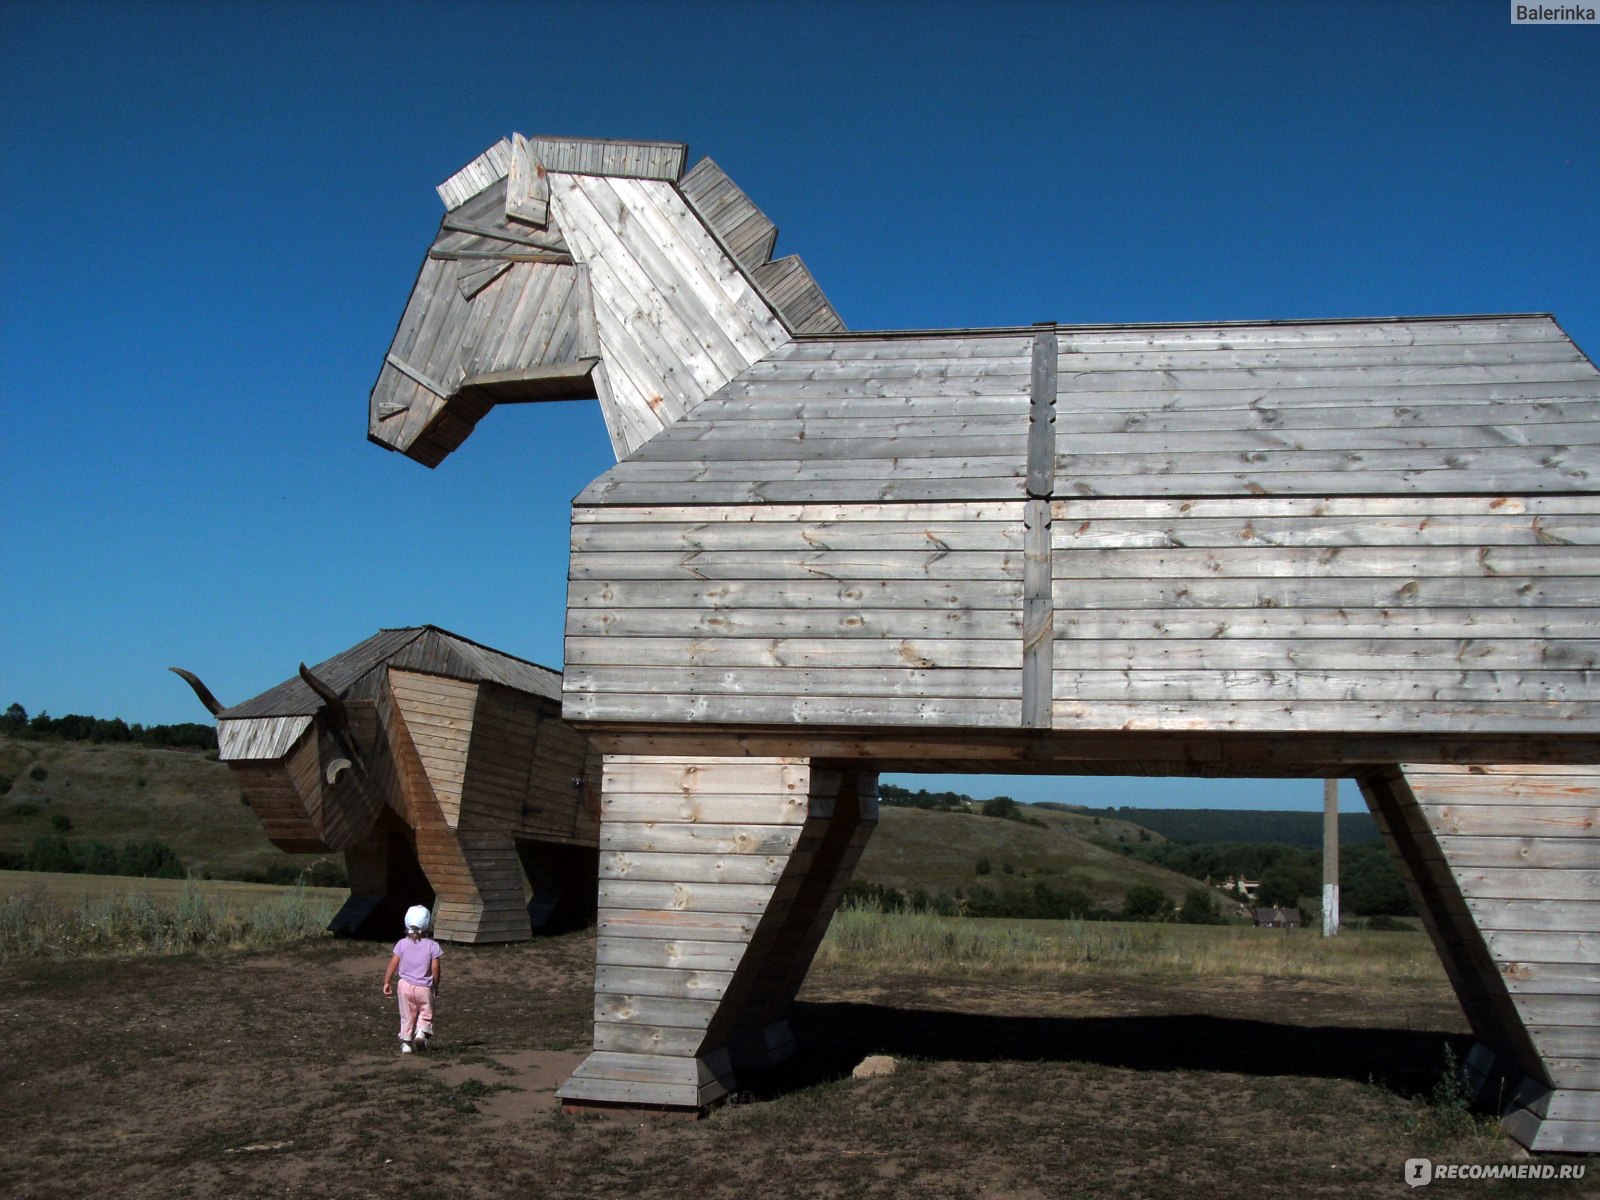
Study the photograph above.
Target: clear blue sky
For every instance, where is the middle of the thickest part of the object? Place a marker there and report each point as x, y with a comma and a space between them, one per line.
214, 212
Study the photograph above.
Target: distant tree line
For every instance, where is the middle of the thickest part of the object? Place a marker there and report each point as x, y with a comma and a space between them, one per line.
1237, 825
1041, 901
51, 852
1003, 807
74, 727
1369, 885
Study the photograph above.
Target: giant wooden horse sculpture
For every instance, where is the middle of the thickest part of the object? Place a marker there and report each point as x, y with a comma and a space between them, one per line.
443, 772
1361, 548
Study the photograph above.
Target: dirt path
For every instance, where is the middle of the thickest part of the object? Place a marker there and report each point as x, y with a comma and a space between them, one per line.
277, 1075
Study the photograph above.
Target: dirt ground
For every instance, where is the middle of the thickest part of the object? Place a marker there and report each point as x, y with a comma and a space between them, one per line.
278, 1075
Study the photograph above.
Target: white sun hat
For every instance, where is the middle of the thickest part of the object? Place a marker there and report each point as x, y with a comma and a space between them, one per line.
417, 917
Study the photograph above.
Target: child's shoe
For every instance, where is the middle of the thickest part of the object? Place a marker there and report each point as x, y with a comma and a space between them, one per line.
420, 1042
405, 1047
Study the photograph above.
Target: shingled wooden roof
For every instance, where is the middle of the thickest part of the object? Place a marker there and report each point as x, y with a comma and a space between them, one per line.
355, 672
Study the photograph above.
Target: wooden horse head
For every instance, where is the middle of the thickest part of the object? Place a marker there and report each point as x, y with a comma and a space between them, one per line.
572, 269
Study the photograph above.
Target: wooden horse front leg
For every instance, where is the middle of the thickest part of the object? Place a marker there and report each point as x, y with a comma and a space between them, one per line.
701, 862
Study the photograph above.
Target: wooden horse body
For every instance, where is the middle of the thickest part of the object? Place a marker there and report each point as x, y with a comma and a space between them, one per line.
1347, 548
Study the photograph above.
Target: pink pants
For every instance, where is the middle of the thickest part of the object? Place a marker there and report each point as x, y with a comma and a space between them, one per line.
416, 1009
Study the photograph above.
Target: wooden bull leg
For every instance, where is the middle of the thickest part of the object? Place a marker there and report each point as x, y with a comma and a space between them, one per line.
1505, 865
385, 878
701, 863
478, 881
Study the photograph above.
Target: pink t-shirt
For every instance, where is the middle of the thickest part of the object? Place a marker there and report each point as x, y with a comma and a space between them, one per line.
416, 958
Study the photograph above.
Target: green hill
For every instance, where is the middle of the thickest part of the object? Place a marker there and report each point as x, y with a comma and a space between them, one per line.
1231, 824
941, 852
120, 793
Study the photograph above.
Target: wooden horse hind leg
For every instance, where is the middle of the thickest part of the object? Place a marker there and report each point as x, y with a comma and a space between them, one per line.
779, 961
701, 863
1505, 864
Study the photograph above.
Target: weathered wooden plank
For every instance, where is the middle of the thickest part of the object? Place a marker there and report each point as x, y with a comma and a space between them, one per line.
842, 625
1560, 977
676, 925
1328, 591
680, 867
1280, 717
1560, 368
668, 280
527, 187
1274, 562
685, 897
1561, 916
743, 709
607, 156
1094, 358
1397, 531
1410, 331
1290, 651
726, 209
1545, 786
259, 737
793, 594
1003, 532
1038, 631
927, 563
1569, 853
1522, 819
470, 180
698, 838
1528, 883
670, 1011
784, 515
786, 653
1181, 470
909, 681
971, 437
649, 1068
640, 1038
1470, 627
664, 983
1466, 686
677, 953
703, 775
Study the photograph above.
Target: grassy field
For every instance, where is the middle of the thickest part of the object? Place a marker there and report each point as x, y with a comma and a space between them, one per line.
864, 940
1033, 1060
123, 793
44, 916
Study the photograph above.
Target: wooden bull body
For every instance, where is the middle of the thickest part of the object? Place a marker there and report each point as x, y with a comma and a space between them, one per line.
441, 770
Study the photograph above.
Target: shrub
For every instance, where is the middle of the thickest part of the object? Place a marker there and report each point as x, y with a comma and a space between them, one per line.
21, 809
982, 866
38, 774
5, 784
1003, 807
61, 823
1200, 908
1146, 903
50, 852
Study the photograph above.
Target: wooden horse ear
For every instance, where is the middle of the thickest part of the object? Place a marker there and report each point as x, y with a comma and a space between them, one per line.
527, 187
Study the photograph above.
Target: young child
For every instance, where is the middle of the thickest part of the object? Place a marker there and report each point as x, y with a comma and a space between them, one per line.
417, 959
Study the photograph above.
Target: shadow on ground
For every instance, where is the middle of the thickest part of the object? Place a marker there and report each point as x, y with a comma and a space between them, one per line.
834, 1037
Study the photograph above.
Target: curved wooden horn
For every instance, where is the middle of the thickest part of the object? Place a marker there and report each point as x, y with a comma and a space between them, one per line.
213, 705
338, 718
